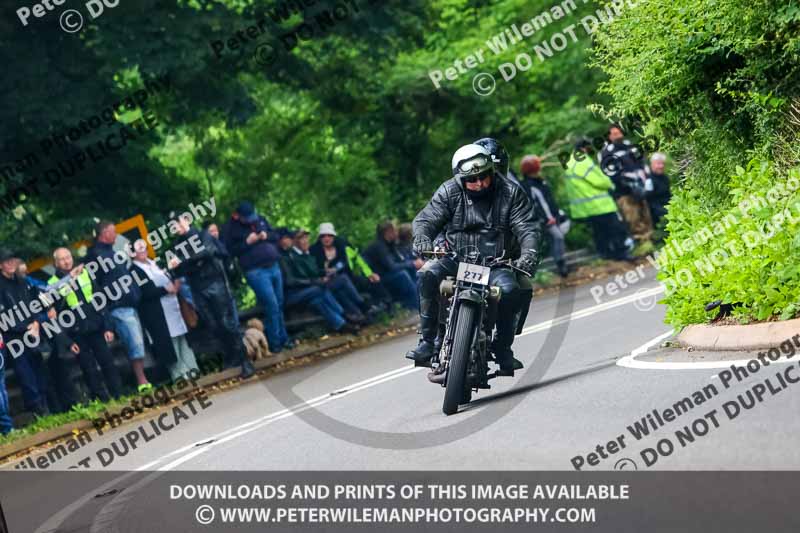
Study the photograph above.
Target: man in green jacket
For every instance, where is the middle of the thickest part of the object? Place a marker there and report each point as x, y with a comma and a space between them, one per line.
305, 285
588, 190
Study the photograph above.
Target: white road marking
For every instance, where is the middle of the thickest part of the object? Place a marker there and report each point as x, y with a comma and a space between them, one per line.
649, 344
630, 361
591, 310
57, 519
382, 378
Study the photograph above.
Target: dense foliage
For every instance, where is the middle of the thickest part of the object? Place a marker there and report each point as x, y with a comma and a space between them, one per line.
719, 81
348, 127
345, 127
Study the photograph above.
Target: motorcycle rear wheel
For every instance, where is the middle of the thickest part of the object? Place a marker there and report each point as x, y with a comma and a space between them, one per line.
455, 390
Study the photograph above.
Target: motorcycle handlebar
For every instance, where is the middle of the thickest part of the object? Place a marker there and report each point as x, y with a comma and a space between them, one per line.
493, 264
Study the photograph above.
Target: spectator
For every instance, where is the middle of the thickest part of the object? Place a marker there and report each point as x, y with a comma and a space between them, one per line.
202, 266
622, 162
22, 273
332, 251
232, 273
285, 240
28, 363
383, 257
251, 239
588, 190
161, 315
6, 424
404, 249
212, 229
62, 393
658, 193
123, 310
335, 256
306, 285
91, 333
540, 193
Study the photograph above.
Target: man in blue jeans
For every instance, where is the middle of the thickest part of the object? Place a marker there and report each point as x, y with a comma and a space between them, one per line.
251, 239
384, 258
6, 424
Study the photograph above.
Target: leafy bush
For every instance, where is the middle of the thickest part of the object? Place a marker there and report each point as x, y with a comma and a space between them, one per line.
737, 253
718, 81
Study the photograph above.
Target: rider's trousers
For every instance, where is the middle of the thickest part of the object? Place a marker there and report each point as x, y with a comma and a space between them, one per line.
431, 275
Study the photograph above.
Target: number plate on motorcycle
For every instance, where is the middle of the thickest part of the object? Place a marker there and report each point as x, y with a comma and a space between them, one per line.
473, 273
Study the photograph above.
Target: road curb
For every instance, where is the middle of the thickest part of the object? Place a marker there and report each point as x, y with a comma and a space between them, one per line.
309, 349
738, 338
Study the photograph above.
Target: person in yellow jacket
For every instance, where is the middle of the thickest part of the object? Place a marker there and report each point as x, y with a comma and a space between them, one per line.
92, 330
589, 193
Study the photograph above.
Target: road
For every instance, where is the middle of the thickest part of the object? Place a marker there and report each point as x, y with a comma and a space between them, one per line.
371, 410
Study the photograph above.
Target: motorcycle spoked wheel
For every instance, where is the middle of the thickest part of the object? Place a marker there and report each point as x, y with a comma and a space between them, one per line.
456, 390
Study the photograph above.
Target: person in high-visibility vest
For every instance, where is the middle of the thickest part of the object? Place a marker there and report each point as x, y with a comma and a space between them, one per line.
589, 192
92, 330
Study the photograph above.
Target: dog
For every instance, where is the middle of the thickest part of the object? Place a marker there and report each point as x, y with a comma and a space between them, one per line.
255, 341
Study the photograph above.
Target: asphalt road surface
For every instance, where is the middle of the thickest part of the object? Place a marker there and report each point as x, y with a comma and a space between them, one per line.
371, 410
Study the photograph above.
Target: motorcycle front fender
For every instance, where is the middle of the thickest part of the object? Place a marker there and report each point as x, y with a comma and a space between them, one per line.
470, 295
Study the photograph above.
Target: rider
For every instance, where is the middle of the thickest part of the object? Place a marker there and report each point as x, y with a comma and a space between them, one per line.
501, 159
498, 153
476, 208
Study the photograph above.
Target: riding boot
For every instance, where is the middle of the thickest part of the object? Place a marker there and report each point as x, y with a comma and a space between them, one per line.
563, 269
501, 345
428, 329
439, 340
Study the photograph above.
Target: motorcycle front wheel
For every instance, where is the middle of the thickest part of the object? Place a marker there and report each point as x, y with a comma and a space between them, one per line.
454, 392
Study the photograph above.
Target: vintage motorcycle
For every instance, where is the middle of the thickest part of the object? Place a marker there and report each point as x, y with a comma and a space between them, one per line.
470, 306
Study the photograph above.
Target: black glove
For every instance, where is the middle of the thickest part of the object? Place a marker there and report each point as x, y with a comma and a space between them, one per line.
422, 244
528, 262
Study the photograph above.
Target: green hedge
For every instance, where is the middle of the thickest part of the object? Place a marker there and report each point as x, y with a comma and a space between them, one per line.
746, 251
719, 83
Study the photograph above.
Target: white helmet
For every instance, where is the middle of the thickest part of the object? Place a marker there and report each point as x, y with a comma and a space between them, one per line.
471, 160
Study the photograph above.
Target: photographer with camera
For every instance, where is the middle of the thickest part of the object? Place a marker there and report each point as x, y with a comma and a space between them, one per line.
623, 162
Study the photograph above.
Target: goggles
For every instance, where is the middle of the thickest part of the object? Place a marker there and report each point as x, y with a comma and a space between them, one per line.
478, 164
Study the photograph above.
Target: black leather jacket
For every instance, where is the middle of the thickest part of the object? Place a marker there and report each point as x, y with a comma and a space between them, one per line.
204, 267
510, 224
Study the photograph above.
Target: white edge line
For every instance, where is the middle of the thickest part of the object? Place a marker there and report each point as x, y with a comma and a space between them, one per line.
229, 434
630, 361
